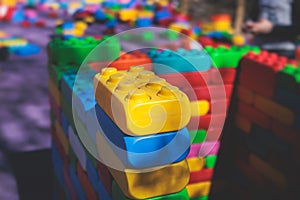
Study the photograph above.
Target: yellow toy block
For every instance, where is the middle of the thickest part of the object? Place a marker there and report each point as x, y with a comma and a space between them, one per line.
199, 108
198, 189
141, 103
145, 14
89, 19
274, 110
158, 181
53, 90
195, 164
268, 171
128, 14
243, 123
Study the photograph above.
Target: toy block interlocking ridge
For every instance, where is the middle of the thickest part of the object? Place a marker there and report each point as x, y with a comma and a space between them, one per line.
140, 103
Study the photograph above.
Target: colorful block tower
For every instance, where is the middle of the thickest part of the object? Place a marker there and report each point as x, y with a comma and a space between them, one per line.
267, 121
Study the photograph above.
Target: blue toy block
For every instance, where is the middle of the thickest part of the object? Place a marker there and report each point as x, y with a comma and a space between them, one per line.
64, 124
77, 185
57, 163
18, 16
28, 50
99, 15
167, 61
102, 192
143, 22
287, 98
144, 151
111, 23
68, 25
92, 174
162, 14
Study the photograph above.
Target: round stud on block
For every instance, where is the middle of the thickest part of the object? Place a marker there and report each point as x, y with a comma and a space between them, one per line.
146, 75
138, 96
168, 92
136, 69
238, 40
115, 79
125, 86
108, 71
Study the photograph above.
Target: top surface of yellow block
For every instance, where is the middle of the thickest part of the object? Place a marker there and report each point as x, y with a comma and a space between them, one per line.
141, 103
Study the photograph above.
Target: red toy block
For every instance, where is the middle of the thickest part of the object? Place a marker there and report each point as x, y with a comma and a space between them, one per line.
86, 184
254, 115
40, 23
206, 93
105, 177
219, 106
9, 14
206, 122
227, 75
136, 58
261, 69
194, 79
25, 24
201, 176
69, 184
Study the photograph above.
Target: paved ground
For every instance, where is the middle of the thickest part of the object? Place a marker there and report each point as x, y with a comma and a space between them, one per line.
24, 107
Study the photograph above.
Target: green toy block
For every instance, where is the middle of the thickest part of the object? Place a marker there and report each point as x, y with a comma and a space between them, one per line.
289, 78
77, 50
57, 71
117, 194
169, 35
146, 36
197, 136
200, 198
229, 57
210, 161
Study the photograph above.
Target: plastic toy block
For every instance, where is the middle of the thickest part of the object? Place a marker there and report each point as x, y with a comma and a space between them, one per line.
80, 49
143, 22
223, 75
197, 136
56, 72
92, 175
78, 187
208, 92
244, 94
64, 124
289, 78
118, 195
136, 58
68, 184
57, 164
258, 71
252, 174
219, 106
210, 161
145, 151
274, 110
221, 54
169, 35
77, 148
53, 90
198, 189
86, 184
186, 79
167, 61
201, 176
206, 122
127, 15
199, 108
243, 123
269, 172
196, 163
288, 134
145, 36
105, 177
214, 134
153, 182
62, 137
287, 99
146, 104
204, 149
254, 115
200, 198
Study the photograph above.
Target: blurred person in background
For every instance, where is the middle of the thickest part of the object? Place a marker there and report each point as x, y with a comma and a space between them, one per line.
275, 25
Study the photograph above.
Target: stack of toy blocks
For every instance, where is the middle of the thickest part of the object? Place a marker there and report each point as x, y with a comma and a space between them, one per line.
268, 134
78, 175
207, 78
143, 119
